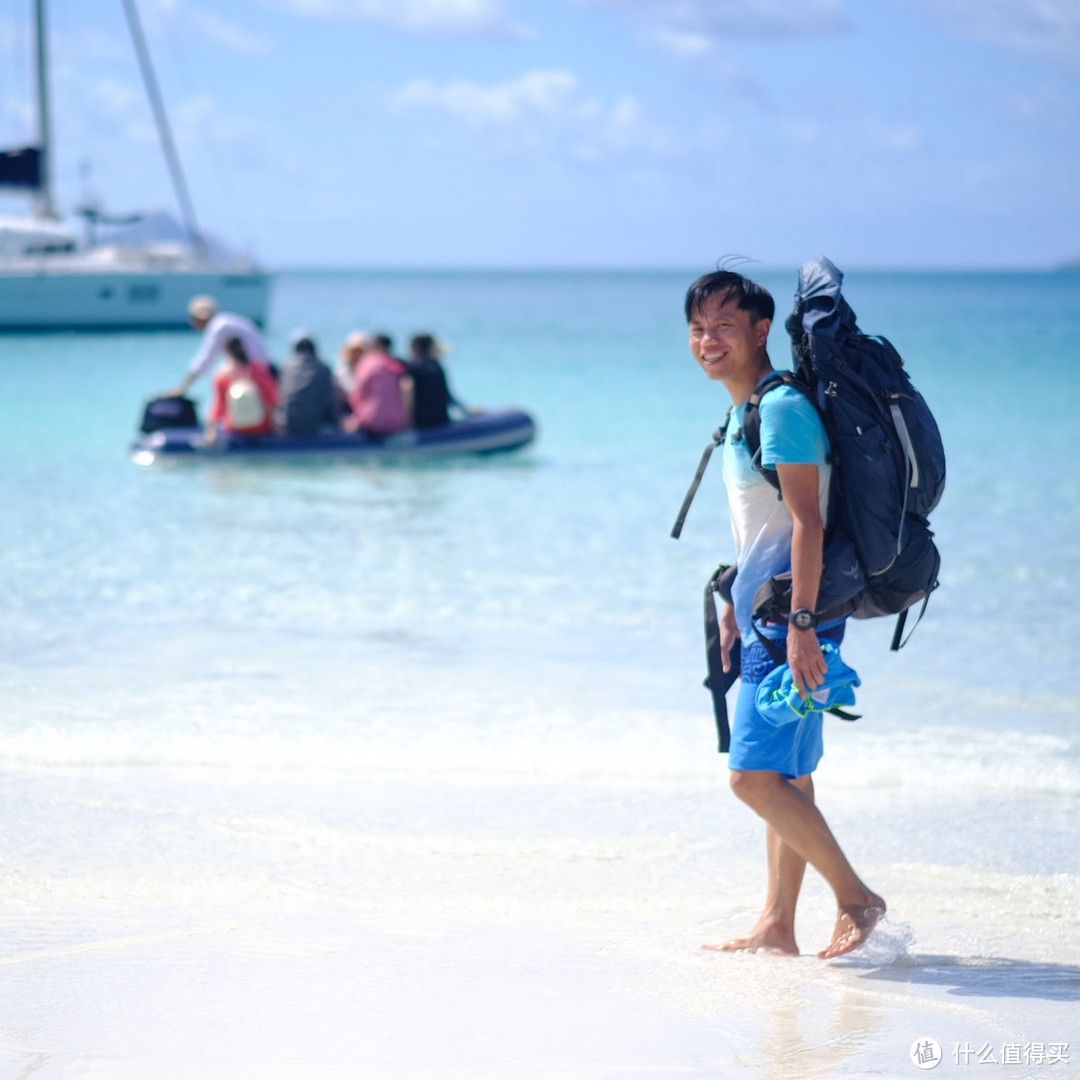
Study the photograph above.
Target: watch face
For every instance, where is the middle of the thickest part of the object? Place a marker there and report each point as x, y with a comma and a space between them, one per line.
802, 620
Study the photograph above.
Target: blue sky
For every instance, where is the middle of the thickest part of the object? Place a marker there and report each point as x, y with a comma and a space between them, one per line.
611, 133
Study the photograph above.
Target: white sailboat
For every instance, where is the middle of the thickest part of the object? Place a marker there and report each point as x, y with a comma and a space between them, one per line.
49, 279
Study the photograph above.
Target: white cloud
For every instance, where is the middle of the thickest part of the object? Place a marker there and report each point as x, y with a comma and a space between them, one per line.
1045, 29
469, 17
737, 18
860, 132
892, 137
701, 32
114, 113
539, 93
208, 26
541, 109
684, 44
117, 99
1044, 105
249, 144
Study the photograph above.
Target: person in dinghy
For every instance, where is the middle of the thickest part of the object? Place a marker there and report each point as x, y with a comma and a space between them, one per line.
245, 394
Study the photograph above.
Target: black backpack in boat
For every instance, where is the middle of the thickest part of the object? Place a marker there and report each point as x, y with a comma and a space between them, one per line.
888, 471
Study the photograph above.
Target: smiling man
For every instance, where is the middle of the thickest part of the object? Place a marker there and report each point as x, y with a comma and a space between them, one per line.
772, 766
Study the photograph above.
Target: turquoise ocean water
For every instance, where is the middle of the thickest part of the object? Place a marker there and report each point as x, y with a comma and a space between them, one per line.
470, 693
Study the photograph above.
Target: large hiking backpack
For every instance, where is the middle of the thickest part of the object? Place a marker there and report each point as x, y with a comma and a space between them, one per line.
888, 466
887, 457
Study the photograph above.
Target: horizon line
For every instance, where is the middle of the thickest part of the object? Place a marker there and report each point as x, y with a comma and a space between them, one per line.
1068, 266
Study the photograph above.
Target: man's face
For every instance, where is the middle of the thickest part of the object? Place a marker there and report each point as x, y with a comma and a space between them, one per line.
724, 338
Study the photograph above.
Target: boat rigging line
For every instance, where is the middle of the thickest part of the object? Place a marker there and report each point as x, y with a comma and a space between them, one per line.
176, 173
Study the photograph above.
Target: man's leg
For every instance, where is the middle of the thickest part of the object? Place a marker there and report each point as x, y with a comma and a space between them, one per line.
788, 809
775, 930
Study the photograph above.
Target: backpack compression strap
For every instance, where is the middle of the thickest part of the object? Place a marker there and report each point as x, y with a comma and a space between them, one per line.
719, 681
717, 439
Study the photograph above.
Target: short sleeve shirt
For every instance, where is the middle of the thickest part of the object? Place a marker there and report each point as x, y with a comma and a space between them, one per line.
791, 434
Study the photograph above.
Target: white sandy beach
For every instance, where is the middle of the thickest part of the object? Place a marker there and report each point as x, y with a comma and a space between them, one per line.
290, 940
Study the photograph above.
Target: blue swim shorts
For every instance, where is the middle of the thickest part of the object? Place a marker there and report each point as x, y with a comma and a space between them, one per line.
760, 746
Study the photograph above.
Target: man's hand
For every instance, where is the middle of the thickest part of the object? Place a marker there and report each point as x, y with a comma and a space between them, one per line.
183, 388
806, 660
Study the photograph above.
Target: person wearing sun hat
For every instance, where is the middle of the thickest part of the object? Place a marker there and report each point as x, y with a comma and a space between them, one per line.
349, 356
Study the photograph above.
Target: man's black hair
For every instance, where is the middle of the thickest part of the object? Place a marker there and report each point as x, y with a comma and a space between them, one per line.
747, 294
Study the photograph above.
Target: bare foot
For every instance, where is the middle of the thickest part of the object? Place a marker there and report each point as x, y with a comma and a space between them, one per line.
854, 925
765, 937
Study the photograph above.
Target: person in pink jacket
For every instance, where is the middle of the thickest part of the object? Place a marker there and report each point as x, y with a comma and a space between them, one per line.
380, 397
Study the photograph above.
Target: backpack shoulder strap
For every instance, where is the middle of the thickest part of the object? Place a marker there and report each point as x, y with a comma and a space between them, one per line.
751, 432
751, 424
717, 440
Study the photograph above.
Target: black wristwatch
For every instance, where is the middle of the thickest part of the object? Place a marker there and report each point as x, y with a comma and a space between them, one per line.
803, 619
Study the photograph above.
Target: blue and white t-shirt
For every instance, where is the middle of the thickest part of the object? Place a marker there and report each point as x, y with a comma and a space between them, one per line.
791, 434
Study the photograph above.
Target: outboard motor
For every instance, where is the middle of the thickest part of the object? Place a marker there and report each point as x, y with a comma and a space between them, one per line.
169, 412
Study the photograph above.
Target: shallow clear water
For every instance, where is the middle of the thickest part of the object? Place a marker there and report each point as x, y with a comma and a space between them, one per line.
472, 690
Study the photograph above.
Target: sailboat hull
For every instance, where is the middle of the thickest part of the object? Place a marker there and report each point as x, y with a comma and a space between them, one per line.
100, 299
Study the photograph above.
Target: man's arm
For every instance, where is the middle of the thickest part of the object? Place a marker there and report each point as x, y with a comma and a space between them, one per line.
799, 488
729, 635
209, 348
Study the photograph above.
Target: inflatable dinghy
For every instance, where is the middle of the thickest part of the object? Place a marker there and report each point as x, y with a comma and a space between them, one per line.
492, 432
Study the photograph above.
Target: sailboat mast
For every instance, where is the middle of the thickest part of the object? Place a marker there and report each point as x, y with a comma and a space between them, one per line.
46, 205
172, 159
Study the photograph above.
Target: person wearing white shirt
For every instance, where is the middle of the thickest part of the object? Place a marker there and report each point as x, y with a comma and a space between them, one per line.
218, 328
